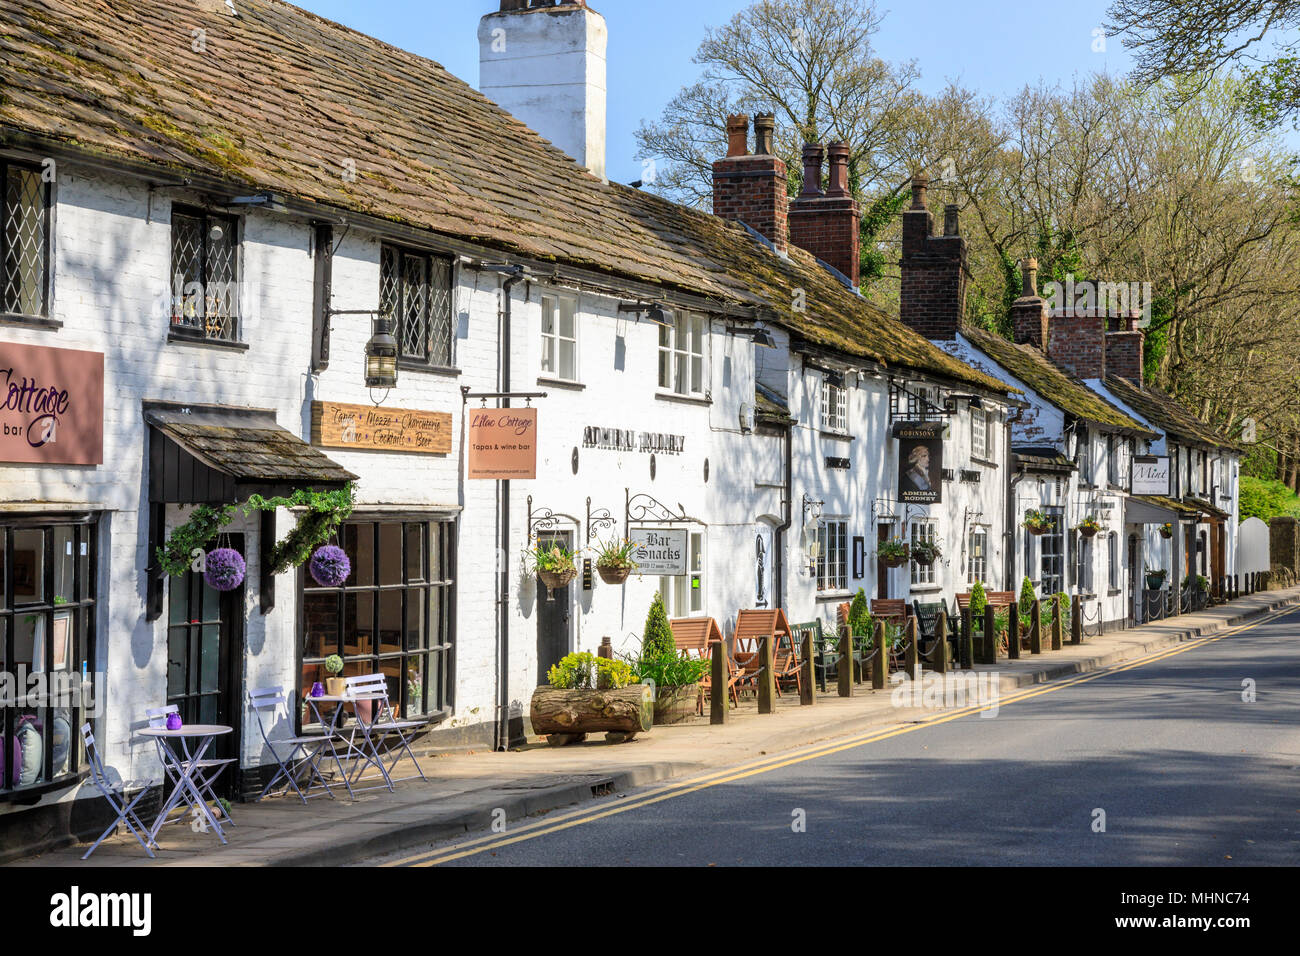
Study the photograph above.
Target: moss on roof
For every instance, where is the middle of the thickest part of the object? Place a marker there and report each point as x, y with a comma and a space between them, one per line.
281, 100
1167, 413
1033, 368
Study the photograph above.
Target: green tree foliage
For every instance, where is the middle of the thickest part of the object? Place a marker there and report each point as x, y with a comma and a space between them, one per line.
860, 623
1027, 597
978, 601
1266, 498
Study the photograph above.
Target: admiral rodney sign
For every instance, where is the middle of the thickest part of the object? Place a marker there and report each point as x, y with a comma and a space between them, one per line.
51, 405
624, 439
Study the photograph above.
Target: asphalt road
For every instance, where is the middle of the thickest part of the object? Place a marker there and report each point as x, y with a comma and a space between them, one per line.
1185, 770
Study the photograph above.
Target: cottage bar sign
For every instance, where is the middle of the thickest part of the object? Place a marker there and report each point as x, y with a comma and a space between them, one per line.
659, 550
1150, 476
51, 406
502, 443
384, 429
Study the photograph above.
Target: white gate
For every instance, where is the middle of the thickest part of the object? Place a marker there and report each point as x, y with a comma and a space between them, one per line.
1252, 546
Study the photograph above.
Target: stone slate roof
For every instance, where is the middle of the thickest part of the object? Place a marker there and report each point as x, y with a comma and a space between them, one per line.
1168, 414
1032, 367
278, 99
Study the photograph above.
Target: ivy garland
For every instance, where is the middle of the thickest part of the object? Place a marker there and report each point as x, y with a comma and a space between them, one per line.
325, 511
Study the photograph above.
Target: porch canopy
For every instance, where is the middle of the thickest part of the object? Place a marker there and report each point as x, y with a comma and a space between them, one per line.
217, 455
1155, 509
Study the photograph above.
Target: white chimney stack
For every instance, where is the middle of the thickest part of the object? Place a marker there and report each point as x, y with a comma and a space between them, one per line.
544, 62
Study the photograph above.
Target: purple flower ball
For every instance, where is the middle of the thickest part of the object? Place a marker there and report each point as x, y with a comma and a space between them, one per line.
224, 569
330, 566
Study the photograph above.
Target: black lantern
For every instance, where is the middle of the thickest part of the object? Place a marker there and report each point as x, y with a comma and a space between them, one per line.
381, 355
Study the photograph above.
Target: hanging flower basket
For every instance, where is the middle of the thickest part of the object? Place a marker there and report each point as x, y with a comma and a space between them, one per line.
1166, 531
330, 566
893, 554
612, 574
1035, 529
224, 569
1088, 531
553, 580
1089, 527
925, 553
893, 561
1036, 522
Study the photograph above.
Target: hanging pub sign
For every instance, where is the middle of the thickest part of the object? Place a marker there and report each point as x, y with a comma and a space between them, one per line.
920, 462
502, 443
659, 550
385, 429
51, 405
1150, 475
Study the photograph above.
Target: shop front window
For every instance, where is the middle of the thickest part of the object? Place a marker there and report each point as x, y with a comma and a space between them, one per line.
393, 614
47, 628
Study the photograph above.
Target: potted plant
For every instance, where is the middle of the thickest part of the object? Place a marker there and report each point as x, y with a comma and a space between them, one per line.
553, 563
925, 553
892, 553
1155, 578
614, 561
1036, 522
584, 694
1166, 530
334, 685
1089, 526
674, 677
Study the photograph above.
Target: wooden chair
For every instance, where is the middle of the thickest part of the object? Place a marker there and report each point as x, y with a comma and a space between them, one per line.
893, 610
694, 637
757, 623
998, 600
927, 619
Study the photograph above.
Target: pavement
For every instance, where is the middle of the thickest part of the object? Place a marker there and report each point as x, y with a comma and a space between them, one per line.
467, 793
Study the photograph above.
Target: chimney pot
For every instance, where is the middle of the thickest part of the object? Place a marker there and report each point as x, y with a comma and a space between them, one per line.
813, 154
1029, 277
951, 227
764, 128
919, 184
737, 135
839, 186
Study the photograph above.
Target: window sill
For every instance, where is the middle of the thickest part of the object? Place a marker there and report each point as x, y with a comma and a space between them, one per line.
184, 338
412, 365
29, 321
683, 399
925, 588
563, 383
33, 794
838, 436
839, 596
983, 461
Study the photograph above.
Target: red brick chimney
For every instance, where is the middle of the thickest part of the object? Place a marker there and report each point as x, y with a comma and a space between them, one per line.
934, 271
1124, 349
1029, 311
752, 189
827, 224
1077, 342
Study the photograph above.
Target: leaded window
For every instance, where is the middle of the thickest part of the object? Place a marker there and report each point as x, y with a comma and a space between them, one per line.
926, 532
835, 407
393, 615
205, 274
415, 292
833, 555
24, 241
977, 556
1052, 552
681, 354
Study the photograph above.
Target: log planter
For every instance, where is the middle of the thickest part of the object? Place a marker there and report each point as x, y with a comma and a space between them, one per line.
566, 716
673, 705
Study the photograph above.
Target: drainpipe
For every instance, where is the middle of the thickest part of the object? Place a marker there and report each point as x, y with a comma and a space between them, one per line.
1012, 481
502, 741
778, 565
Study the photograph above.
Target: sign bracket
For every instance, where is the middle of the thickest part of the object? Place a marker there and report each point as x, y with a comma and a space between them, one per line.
646, 509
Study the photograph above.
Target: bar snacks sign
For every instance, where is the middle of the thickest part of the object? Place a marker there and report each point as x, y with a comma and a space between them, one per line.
51, 405
659, 550
383, 429
502, 443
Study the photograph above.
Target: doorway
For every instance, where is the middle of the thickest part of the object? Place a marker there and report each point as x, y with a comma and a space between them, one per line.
1133, 589
554, 615
205, 651
884, 532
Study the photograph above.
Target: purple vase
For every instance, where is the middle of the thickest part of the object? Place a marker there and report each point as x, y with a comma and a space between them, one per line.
174, 722
317, 689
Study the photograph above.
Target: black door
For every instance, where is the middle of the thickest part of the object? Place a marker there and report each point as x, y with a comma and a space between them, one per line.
205, 646
554, 620
883, 533
1134, 579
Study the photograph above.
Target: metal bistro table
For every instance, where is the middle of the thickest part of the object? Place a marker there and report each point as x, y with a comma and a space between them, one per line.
186, 766
364, 750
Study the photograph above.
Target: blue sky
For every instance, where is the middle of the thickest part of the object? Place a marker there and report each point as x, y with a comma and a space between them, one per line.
994, 46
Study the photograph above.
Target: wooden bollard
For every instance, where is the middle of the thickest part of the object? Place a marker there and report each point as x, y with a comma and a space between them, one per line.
964, 641
718, 680
1013, 631
990, 649
844, 669
913, 651
880, 661
766, 681
1056, 622
807, 693
939, 657
1076, 620
1036, 627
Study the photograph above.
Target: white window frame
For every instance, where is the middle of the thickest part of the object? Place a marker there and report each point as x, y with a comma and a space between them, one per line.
977, 555
835, 407
1084, 457
684, 354
979, 434
682, 598
833, 555
553, 307
923, 529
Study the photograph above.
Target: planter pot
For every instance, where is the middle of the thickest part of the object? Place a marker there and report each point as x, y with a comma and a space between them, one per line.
554, 580
611, 575
1088, 532
894, 562
1154, 583
569, 715
335, 687
673, 705
924, 562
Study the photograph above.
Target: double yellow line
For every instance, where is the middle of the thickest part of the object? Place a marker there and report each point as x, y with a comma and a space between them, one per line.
555, 824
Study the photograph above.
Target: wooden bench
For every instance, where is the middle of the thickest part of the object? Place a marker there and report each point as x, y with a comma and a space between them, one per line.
998, 600
694, 637
893, 610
